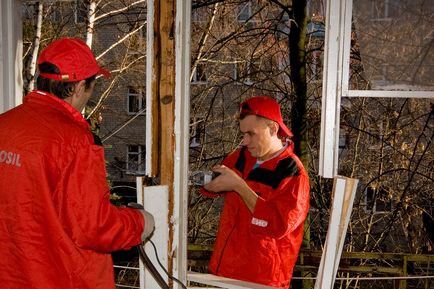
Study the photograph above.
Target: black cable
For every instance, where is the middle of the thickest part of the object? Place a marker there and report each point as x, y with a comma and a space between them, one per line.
164, 269
151, 268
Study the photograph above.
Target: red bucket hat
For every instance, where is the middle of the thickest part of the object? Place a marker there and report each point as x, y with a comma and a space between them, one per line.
266, 107
74, 59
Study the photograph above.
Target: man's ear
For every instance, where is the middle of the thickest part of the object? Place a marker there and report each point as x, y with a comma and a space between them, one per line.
79, 88
274, 128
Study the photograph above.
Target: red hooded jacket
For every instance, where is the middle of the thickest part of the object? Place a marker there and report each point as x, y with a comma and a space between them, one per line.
57, 225
262, 247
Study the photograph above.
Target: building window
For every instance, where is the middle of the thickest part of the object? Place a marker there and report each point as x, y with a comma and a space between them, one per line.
316, 65
28, 11
199, 75
315, 29
57, 12
384, 9
283, 27
136, 159
80, 11
377, 200
244, 12
247, 72
137, 41
135, 100
199, 14
196, 130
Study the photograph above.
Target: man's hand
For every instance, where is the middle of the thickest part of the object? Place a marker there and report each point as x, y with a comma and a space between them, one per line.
149, 225
228, 180
149, 220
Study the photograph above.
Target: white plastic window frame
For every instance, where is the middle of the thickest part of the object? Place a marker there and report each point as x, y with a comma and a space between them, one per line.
336, 80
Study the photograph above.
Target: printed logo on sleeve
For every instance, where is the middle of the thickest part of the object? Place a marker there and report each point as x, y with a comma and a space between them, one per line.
10, 158
259, 222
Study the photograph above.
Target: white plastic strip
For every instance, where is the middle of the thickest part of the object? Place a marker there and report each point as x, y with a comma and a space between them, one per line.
327, 266
222, 282
149, 77
338, 25
181, 129
11, 81
347, 207
388, 93
360, 278
344, 191
140, 199
155, 199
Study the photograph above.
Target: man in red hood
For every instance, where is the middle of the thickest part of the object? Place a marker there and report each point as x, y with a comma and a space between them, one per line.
57, 226
266, 191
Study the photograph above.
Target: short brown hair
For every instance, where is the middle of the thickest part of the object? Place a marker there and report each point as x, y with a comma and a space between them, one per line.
58, 88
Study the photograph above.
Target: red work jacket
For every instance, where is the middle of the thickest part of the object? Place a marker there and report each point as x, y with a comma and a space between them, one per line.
57, 226
262, 247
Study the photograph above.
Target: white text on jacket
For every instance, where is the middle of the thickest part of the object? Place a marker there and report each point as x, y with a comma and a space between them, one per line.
10, 158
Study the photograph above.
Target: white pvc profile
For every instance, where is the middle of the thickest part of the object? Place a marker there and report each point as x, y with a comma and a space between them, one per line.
335, 81
140, 200
222, 282
11, 81
181, 158
389, 93
149, 77
327, 266
155, 200
344, 191
345, 46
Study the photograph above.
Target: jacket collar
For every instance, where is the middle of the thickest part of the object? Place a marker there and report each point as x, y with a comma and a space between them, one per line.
57, 103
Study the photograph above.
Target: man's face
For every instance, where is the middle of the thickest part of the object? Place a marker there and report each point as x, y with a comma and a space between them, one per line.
257, 136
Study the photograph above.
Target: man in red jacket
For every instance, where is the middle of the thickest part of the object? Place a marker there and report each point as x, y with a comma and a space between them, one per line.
266, 191
57, 226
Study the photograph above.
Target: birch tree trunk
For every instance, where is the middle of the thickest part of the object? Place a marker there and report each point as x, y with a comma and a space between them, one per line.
36, 42
91, 22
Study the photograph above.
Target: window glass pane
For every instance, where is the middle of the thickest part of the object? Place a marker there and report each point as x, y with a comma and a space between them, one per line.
133, 148
136, 159
200, 74
392, 44
80, 11
136, 101
244, 12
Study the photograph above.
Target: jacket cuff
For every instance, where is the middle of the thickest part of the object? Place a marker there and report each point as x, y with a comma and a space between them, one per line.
209, 194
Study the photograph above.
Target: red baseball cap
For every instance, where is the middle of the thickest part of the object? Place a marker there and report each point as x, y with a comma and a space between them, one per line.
267, 107
74, 59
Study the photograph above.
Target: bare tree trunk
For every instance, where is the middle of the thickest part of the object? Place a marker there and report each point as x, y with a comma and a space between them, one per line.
36, 42
297, 55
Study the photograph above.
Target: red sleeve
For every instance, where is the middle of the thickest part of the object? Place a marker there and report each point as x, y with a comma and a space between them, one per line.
89, 218
209, 194
285, 211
